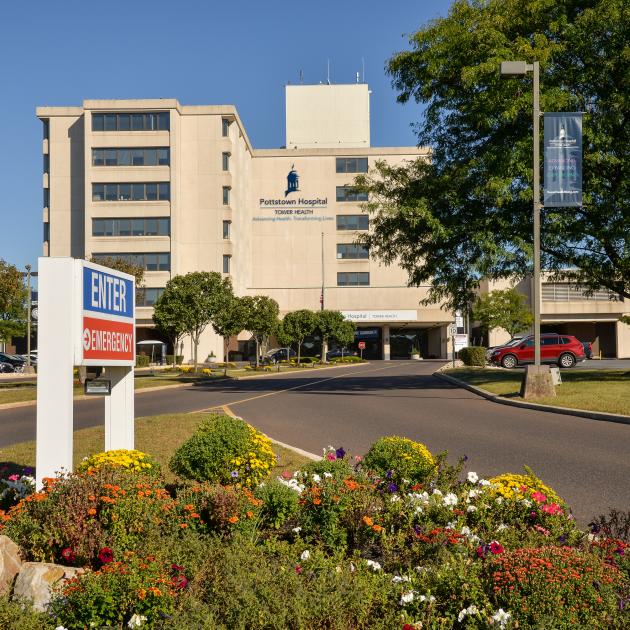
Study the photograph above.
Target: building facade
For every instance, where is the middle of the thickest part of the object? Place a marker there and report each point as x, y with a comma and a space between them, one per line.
179, 188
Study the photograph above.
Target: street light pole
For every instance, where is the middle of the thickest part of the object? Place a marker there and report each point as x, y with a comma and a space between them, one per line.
28, 368
536, 280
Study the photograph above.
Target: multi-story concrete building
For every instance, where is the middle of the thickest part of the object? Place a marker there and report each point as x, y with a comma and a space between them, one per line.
180, 188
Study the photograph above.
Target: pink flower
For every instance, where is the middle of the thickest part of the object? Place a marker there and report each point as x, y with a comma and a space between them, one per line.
358, 458
14, 477
552, 508
542, 530
539, 497
285, 474
331, 457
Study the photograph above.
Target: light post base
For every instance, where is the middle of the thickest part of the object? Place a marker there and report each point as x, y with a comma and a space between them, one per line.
28, 369
537, 382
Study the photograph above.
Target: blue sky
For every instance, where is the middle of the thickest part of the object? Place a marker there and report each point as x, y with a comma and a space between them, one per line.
198, 51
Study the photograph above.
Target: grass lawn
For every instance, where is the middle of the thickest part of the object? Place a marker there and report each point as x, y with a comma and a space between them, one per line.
26, 391
159, 436
593, 390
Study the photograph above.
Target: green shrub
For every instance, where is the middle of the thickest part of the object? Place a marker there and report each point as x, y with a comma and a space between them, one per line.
179, 359
399, 458
279, 503
473, 355
142, 360
20, 615
339, 468
225, 450
349, 359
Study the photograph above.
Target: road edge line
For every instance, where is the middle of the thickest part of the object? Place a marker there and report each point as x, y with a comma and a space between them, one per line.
567, 411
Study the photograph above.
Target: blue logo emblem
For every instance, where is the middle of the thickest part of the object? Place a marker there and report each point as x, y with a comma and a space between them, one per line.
293, 180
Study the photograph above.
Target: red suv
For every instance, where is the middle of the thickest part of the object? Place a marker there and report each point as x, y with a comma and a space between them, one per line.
564, 350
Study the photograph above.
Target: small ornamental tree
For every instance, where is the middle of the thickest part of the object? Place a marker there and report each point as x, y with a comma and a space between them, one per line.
344, 335
13, 296
261, 319
168, 320
228, 321
505, 309
331, 324
126, 266
297, 325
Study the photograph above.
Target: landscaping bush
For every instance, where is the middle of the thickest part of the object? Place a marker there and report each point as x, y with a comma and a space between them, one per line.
225, 450
473, 355
398, 458
142, 360
20, 615
132, 460
279, 503
349, 359
179, 359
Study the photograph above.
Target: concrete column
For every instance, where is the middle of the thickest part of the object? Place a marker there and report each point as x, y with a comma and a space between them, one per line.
119, 410
386, 348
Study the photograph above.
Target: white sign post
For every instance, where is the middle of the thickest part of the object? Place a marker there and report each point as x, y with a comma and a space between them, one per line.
86, 318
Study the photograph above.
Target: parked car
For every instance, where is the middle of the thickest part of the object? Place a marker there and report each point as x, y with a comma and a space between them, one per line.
564, 350
512, 342
6, 368
276, 355
14, 361
588, 349
333, 354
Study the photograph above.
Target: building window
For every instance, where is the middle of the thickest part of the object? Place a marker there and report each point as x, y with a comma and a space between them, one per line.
148, 296
46, 197
351, 251
46, 128
353, 222
159, 261
226, 263
225, 127
131, 227
226, 195
352, 165
145, 121
151, 191
568, 292
46, 232
350, 193
353, 279
225, 161
226, 229
152, 156
46, 163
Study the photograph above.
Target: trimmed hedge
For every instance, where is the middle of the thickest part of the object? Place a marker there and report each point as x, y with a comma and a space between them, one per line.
142, 360
473, 355
179, 359
349, 359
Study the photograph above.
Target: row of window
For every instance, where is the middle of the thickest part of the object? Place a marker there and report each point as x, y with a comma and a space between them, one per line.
353, 222
149, 156
350, 193
352, 251
351, 165
568, 292
151, 191
146, 121
353, 279
148, 296
131, 227
160, 261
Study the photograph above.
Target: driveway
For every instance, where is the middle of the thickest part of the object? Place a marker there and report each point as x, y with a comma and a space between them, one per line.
586, 461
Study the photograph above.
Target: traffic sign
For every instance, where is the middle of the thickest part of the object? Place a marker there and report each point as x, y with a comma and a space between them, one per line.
452, 330
361, 345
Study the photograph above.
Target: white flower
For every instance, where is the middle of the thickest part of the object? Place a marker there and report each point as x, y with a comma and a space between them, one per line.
306, 554
471, 508
352, 567
294, 484
376, 566
327, 475
63, 627
297, 530
450, 499
499, 500
471, 610
465, 531
437, 492
473, 477
501, 527
397, 579
451, 525
136, 621
426, 598
474, 493
484, 482
394, 498
526, 502
501, 617
316, 478
406, 598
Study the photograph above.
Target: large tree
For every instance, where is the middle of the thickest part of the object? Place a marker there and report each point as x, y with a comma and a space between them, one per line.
261, 320
13, 300
506, 308
297, 325
196, 298
466, 212
228, 321
332, 324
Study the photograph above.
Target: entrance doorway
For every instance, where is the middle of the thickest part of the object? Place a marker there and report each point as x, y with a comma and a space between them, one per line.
402, 341
373, 343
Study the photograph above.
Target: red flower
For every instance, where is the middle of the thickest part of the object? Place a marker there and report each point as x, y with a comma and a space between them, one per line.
68, 555
106, 555
496, 547
480, 551
180, 581
298, 569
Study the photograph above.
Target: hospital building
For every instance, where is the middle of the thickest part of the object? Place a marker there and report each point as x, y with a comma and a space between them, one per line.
180, 188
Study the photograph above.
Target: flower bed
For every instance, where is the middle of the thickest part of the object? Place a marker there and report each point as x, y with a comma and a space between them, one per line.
399, 539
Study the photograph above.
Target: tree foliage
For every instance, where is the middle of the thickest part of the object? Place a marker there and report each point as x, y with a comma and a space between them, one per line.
261, 320
168, 320
297, 325
505, 309
332, 325
467, 211
121, 264
13, 301
229, 321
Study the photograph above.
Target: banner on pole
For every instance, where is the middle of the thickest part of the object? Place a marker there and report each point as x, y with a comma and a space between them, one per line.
563, 159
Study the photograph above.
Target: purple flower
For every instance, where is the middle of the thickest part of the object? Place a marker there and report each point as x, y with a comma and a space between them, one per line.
392, 487
234, 474
465, 458
390, 474
562, 538
340, 453
27, 471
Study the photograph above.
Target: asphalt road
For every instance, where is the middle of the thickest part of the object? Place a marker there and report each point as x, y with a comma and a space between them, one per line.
586, 461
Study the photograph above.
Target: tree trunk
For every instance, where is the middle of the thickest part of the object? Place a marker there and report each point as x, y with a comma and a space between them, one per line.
195, 340
299, 351
257, 352
324, 350
226, 341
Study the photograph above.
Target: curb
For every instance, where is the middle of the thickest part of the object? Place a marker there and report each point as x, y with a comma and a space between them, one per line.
295, 449
581, 413
304, 371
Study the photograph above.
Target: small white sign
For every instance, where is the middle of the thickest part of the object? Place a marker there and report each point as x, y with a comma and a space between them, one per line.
381, 316
452, 330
